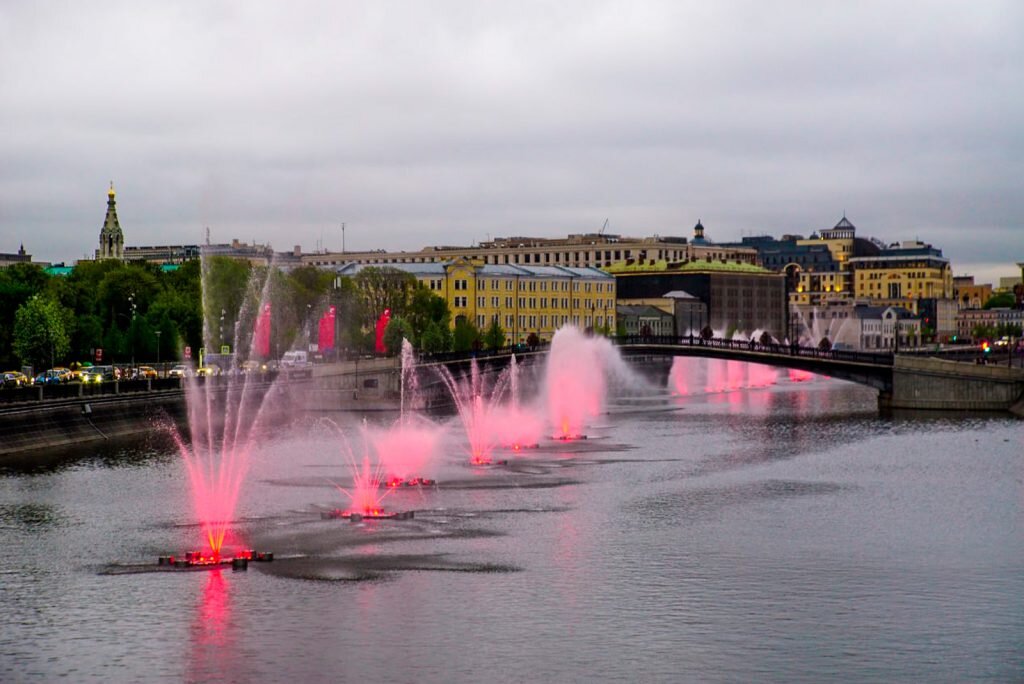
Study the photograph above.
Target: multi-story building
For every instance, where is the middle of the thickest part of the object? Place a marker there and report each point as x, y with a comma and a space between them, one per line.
590, 250
970, 295
523, 299
902, 275
967, 320
737, 297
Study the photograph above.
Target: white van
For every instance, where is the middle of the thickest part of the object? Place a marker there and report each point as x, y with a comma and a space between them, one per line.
297, 363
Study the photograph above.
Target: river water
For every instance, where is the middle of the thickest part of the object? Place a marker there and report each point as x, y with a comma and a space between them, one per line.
779, 534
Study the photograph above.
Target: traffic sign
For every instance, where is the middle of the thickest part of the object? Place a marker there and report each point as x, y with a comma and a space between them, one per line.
225, 349
99, 354
188, 352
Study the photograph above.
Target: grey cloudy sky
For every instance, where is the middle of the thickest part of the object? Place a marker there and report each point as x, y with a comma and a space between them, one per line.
436, 122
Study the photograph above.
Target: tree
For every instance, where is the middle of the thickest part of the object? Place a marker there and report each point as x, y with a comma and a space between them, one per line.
825, 344
766, 339
983, 332
706, 333
1002, 300
494, 336
424, 308
465, 337
39, 333
397, 330
17, 284
435, 339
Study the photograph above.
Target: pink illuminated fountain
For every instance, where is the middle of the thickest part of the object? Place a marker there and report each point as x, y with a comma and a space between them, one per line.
475, 409
576, 380
406, 449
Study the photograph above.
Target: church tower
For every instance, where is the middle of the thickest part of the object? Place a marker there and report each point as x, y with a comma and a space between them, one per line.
111, 237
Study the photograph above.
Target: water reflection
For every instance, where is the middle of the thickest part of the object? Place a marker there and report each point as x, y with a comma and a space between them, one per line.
213, 654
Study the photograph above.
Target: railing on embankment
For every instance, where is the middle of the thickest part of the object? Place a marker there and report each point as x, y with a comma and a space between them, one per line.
56, 416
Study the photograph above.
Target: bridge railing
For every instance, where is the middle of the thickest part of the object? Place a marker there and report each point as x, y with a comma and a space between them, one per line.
875, 358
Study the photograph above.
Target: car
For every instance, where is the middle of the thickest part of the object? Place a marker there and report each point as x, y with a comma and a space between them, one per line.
50, 377
180, 371
78, 370
252, 366
63, 373
296, 362
146, 372
97, 374
15, 379
207, 371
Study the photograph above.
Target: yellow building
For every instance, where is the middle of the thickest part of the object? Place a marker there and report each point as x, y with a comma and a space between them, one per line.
903, 275
523, 299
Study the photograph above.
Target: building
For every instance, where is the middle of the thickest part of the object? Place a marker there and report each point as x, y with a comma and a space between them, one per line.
970, 295
737, 296
588, 250
111, 237
968, 320
886, 327
162, 254
689, 313
902, 275
523, 299
645, 320
20, 257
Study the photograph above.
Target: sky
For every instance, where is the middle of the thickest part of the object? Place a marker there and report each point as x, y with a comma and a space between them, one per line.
425, 123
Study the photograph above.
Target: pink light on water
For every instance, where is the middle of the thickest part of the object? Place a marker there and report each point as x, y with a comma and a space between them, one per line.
799, 375
679, 375
760, 375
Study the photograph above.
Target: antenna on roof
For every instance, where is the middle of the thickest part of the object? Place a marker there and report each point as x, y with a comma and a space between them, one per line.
603, 228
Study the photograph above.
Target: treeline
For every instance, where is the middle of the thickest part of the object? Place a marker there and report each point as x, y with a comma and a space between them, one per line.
139, 311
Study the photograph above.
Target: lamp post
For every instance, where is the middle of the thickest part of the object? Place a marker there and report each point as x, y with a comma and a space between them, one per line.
131, 326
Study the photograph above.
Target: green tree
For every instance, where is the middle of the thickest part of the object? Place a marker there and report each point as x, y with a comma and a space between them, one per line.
40, 337
436, 338
425, 308
466, 336
1002, 300
494, 336
18, 283
397, 330
983, 332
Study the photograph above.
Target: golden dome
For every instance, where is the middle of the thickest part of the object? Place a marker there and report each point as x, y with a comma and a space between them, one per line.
110, 192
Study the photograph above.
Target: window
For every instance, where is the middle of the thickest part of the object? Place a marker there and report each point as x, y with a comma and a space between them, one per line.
495, 302
481, 302
508, 302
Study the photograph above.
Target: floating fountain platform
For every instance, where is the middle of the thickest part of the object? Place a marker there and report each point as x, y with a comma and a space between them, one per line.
196, 560
357, 516
569, 438
396, 482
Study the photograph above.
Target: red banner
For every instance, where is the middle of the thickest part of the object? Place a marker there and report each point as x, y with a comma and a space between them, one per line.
382, 325
261, 340
326, 338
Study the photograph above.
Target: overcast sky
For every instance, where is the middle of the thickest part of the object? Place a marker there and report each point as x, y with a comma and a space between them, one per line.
420, 123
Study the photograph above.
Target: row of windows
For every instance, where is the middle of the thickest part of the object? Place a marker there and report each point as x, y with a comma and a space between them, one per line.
542, 322
531, 302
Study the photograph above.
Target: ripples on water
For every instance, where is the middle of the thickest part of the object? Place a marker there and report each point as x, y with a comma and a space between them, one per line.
787, 534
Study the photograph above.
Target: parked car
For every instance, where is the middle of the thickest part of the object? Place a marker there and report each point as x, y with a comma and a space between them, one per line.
146, 372
252, 366
207, 371
180, 371
50, 377
15, 379
98, 374
63, 373
78, 370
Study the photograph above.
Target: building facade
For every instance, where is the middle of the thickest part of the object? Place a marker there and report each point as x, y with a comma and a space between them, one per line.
589, 250
902, 275
737, 297
522, 299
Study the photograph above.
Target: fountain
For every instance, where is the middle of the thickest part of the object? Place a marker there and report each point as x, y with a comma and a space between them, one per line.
476, 411
576, 380
516, 427
407, 448
224, 415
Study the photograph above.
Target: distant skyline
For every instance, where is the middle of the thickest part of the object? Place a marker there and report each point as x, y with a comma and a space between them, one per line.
448, 122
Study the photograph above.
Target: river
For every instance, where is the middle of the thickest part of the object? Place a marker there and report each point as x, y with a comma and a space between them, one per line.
779, 534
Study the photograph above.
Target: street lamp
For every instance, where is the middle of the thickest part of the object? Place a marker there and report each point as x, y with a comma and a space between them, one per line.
158, 333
